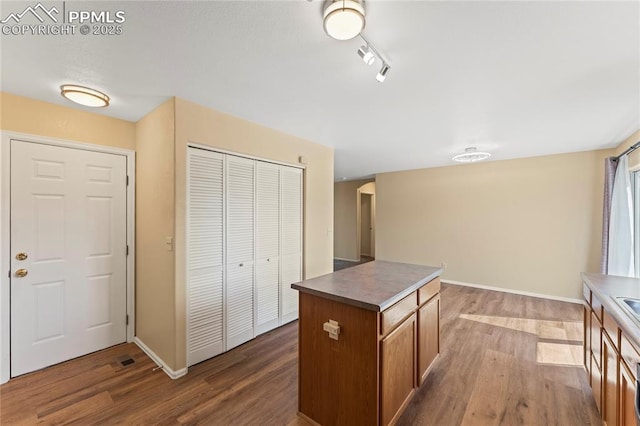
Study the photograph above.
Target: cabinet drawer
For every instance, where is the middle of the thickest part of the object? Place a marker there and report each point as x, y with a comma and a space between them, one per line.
596, 305
611, 327
396, 313
586, 291
429, 290
629, 354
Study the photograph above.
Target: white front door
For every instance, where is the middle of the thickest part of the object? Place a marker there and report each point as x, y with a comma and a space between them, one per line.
68, 248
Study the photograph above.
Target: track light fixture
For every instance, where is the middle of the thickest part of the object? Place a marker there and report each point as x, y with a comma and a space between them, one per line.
344, 20
366, 54
382, 74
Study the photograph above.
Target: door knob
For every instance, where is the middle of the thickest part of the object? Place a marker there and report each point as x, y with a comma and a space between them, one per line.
21, 256
21, 273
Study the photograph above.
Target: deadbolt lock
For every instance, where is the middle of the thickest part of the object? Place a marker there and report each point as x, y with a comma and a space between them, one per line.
21, 256
21, 273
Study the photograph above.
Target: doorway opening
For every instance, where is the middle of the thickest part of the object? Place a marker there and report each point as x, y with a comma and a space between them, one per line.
366, 222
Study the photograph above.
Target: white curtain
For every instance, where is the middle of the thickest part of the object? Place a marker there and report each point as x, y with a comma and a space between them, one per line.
621, 260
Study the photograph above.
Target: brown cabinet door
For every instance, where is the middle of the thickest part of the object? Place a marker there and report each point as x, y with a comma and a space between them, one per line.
397, 370
587, 340
627, 397
596, 340
596, 384
609, 381
428, 336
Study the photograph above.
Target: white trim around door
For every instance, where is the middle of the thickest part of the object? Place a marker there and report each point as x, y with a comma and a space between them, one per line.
5, 228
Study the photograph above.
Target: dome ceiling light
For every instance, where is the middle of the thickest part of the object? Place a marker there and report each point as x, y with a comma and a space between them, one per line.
471, 155
343, 19
84, 95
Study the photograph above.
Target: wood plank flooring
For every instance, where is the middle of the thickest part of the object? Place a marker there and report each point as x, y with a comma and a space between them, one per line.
490, 372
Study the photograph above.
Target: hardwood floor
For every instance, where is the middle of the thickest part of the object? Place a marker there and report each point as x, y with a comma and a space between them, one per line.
494, 368
488, 371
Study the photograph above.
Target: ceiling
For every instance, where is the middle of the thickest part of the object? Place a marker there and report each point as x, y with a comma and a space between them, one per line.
514, 78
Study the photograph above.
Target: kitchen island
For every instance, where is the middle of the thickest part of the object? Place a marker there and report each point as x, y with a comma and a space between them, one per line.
367, 338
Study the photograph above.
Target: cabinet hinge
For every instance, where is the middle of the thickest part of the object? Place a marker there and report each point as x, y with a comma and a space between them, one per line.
127, 180
9, 274
127, 249
127, 320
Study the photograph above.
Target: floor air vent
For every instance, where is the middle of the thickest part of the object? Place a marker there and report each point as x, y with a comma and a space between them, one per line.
125, 360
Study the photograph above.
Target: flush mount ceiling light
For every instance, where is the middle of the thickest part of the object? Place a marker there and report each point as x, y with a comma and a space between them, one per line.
84, 95
343, 19
471, 155
366, 54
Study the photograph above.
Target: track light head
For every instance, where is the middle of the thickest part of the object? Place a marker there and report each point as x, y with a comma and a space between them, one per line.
382, 74
366, 54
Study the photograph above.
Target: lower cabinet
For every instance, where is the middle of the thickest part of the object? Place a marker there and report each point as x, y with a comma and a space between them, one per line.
586, 338
369, 373
596, 384
397, 366
627, 397
610, 362
428, 336
609, 381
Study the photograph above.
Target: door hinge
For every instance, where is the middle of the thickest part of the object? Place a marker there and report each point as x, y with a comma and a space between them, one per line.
127, 180
127, 249
127, 320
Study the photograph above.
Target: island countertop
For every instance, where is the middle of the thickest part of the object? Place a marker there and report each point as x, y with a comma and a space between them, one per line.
373, 285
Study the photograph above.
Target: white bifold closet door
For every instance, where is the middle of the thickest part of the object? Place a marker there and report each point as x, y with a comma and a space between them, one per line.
267, 287
205, 254
290, 240
244, 250
240, 183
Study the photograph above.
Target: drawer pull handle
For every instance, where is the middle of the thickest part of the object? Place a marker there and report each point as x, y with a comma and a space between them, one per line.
333, 328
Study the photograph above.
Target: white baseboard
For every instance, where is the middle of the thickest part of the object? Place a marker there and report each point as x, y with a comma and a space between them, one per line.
346, 260
169, 372
508, 290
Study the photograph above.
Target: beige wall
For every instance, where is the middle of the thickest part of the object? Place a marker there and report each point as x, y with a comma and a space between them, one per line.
529, 224
201, 125
634, 157
24, 115
155, 294
345, 214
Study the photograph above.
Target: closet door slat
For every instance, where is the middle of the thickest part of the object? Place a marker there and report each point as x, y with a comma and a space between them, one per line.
267, 246
205, 255
240, 237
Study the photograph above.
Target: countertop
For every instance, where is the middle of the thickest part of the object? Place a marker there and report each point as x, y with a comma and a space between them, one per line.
606, 288
373, 285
